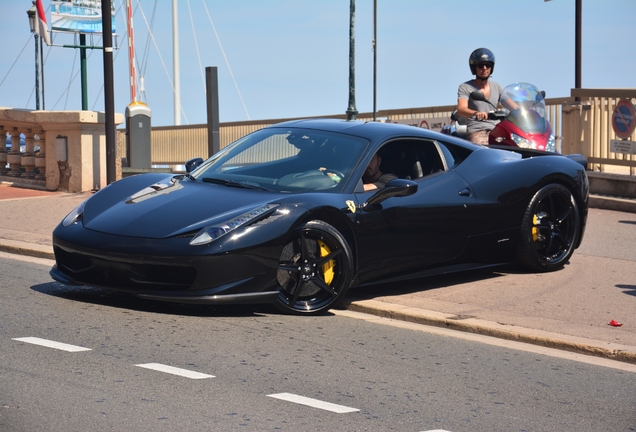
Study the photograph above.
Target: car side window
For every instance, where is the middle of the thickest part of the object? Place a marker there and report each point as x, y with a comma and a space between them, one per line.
412, 158
453, 155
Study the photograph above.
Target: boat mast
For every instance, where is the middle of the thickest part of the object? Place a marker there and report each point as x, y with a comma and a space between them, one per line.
131, 53
175, 61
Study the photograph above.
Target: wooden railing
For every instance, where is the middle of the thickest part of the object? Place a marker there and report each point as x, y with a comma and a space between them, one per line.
590, 123
581, 126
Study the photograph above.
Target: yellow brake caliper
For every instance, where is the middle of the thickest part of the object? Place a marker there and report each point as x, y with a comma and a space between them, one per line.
536, 220
327, 268
535, 231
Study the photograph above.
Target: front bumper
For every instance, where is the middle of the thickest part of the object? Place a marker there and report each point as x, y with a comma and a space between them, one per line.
167, 269
198, 298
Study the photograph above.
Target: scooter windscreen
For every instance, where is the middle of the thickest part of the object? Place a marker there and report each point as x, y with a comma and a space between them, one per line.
526, 107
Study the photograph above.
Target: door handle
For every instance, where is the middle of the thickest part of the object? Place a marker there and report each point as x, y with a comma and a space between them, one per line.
465, 192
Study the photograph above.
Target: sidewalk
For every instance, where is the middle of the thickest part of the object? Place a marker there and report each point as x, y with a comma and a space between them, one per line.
556, 314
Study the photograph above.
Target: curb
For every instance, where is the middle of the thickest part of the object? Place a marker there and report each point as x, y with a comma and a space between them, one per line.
612, 351
28, 249
612, 203
24, 183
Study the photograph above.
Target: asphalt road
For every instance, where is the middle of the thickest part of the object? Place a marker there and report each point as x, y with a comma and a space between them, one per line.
136, 365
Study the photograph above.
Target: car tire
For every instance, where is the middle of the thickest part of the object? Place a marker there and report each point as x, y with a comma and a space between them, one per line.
315, 269
549, 230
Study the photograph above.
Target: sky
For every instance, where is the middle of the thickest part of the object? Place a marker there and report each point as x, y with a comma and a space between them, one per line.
280, 59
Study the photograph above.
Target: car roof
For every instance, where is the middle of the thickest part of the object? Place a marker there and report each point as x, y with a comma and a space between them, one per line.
373, 131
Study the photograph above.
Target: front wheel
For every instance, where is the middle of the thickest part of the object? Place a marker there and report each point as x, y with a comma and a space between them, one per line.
549, 230
314, 270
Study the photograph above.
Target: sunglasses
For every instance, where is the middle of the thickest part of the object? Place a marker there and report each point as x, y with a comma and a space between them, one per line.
484, 65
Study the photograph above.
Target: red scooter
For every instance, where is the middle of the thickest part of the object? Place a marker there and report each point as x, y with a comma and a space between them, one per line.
523, 122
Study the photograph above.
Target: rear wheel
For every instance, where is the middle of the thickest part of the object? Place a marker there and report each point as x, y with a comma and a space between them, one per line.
549, 230
314, 270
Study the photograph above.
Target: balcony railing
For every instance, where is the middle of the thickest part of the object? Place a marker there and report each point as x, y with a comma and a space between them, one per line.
54, 150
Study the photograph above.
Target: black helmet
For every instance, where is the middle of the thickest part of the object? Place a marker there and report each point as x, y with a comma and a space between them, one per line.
481, 55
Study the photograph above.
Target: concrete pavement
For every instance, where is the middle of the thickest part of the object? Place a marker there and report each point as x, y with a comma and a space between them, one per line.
554, 313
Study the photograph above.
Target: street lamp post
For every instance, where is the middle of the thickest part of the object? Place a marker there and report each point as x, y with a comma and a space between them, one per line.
352, 112
32, 23
577, 45
375, 56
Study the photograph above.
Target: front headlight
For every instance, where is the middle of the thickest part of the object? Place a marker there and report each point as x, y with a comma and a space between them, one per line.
74, 216
522, 142
214, 232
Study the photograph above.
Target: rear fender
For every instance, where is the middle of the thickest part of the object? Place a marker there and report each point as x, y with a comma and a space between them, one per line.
579, 158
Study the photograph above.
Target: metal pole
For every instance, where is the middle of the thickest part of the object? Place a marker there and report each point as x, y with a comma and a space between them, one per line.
352, 112
42, 72
212, 97
37, 74
577, 47
375, 56
109, 93
83, 69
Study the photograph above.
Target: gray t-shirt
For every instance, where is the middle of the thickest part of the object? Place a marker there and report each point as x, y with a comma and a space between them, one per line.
464, 91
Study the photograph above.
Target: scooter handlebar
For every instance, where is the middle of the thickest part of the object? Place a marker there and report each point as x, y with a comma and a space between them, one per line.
496, 115
493, 115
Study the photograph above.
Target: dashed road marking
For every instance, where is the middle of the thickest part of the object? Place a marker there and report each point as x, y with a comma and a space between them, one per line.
289, 397
175, 371
52, 344
315, 403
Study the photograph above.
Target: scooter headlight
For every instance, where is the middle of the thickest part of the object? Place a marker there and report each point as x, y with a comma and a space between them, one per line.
522, 142
551, 145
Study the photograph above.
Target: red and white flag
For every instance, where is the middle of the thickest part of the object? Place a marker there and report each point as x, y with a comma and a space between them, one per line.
41, 28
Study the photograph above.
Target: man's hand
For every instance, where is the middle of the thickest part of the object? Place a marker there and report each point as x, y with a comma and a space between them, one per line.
480, 115
369, 186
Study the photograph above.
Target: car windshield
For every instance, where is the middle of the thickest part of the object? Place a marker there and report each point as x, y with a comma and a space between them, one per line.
285, 160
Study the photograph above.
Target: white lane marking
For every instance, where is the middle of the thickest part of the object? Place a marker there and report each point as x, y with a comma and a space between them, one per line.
315, 403
175, 371
437, 430
52, 344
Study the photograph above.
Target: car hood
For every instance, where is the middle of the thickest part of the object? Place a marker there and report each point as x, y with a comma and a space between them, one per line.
166, 207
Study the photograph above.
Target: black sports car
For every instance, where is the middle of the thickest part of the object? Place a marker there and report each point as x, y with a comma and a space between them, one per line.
282, 216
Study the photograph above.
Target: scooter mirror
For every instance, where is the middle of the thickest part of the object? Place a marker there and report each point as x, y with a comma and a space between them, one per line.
477, 95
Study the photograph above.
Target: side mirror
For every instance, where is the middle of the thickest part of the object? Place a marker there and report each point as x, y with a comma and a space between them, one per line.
394, 188
192, 164
542, 93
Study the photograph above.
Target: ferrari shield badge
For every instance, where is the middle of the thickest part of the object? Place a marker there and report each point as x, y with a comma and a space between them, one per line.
351, 205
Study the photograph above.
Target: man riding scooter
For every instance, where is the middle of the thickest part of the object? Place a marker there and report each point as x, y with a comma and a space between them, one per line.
482, 65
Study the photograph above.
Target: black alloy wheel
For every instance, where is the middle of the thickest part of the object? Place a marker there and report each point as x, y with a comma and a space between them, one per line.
314, 270
550, 229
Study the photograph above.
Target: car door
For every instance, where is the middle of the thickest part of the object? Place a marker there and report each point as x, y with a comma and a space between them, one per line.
424, 229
